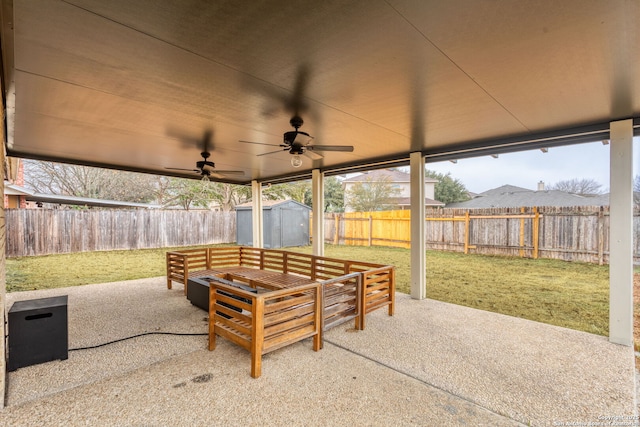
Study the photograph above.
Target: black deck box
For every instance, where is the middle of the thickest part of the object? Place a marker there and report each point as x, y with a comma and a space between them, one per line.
38, 332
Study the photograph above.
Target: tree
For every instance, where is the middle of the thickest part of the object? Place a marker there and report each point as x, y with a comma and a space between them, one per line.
448, 189
333, 195
229, 196
636, 190
188, 193
369, 196
297, 191
98, 183
90, 182
581, 187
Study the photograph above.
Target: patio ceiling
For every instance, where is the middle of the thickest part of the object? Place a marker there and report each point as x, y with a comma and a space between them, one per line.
135, 85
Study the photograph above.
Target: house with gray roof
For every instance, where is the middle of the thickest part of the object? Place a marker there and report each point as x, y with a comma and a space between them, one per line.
510, 196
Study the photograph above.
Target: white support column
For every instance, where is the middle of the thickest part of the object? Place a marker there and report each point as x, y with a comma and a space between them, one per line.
317, 197
257, 215
621, 233
418, 263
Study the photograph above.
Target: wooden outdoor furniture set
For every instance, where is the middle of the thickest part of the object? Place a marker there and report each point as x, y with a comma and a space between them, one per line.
264, 299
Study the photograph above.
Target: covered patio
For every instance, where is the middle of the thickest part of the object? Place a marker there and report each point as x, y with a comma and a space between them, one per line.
149, 86
431, 364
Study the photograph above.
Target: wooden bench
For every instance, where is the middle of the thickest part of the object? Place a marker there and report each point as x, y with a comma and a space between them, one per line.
377, 281
264, 322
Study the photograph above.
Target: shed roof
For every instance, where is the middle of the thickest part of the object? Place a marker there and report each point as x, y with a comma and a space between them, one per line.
30, 195
268, 204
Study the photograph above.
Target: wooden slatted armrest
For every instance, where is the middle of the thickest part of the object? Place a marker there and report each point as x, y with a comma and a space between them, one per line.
341, 301
175, 267
268, 321
378, 290
180, 263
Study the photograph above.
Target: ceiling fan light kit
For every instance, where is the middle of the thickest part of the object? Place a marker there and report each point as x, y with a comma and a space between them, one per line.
296, 161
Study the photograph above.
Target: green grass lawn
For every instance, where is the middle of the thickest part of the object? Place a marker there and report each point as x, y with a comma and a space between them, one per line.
568, 294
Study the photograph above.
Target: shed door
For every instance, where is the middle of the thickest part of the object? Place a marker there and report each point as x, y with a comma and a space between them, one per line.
292, 228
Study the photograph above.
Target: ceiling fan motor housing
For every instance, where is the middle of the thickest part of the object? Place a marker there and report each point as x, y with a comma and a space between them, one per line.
296, 149
296, 136
202, 163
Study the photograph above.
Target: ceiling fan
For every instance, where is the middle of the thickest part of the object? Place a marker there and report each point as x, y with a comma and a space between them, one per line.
206, 168
298, 143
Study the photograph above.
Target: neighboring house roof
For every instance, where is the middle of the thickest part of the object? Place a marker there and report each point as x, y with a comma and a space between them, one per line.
508, 196
406, 201
380, 174
504, 189
32, 196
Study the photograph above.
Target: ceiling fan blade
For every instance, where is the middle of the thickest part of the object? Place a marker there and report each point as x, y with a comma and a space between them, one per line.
345, 148
227, 172
312, 155
296, 103
188, 140
182, 169
206, 140
272, 152
302, 138
259, 143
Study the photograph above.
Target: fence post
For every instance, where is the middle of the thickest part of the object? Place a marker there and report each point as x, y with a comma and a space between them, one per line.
466, 232
600, 236
536, 231
370, 230
522, 210
336, 235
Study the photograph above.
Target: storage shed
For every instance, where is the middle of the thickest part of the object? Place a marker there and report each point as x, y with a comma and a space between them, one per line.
286, 223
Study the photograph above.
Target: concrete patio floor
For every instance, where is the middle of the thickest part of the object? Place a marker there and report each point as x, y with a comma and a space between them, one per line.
432, 364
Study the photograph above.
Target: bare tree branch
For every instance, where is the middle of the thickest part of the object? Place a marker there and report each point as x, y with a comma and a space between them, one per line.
84, 181
582, 187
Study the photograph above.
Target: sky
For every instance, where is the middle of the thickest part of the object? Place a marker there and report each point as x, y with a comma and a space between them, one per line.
525, 169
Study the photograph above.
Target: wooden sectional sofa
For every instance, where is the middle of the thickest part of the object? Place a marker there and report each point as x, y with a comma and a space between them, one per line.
264, 299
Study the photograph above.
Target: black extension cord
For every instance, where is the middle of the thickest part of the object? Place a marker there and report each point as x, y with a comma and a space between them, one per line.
136, 336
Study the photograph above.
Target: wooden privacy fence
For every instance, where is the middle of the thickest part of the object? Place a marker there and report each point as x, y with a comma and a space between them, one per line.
573, 234
50, 231
569, 233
